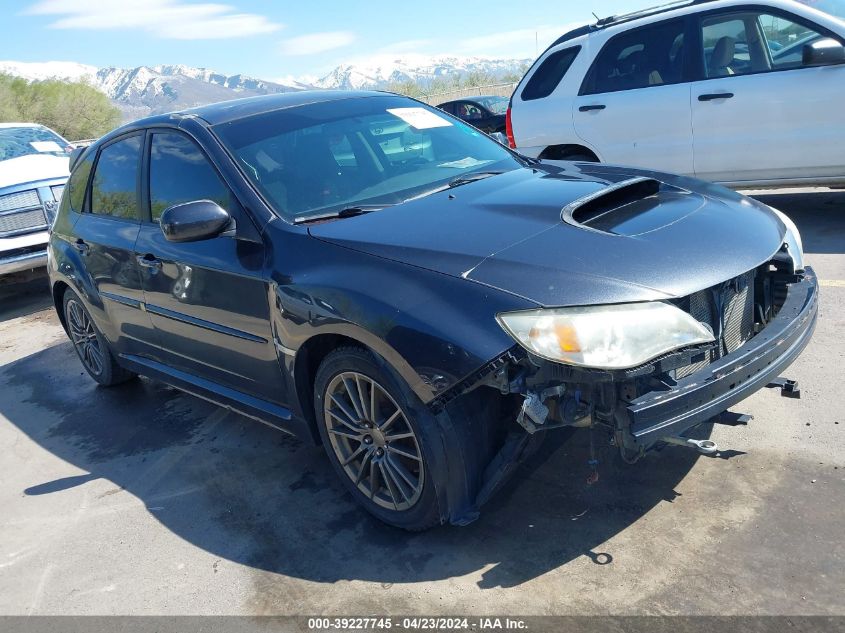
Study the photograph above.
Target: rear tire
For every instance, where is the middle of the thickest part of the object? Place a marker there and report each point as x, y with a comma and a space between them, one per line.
371, 430
90, 344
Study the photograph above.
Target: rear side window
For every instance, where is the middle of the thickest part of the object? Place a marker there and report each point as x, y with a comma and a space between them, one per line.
77, 183
649, 56
549, 74
180, 172
114, 189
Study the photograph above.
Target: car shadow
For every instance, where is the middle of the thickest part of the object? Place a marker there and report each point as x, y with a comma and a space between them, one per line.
253, 495
256, 496
22, 295
819, 216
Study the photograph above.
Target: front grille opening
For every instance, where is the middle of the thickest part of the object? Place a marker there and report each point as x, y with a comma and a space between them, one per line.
729, 310
22, 221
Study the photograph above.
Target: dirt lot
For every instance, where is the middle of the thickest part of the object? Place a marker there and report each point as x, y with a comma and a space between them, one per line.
142, 500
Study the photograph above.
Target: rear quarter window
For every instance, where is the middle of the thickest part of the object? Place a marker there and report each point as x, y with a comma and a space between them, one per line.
73, 198
549, 74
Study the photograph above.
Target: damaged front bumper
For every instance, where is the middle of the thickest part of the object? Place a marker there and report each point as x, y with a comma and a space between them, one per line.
697, 398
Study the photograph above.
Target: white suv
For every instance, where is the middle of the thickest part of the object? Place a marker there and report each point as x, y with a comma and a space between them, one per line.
33, 171
740, 93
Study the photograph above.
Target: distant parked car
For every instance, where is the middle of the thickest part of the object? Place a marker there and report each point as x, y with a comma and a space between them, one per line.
739, 94
33, 171
487, 113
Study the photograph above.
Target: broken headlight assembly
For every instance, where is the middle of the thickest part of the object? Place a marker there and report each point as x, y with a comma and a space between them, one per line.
618, 336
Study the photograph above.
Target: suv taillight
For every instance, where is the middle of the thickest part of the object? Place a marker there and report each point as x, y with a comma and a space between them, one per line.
509, 129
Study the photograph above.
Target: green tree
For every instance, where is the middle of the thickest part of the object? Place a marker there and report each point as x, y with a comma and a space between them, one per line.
75, 110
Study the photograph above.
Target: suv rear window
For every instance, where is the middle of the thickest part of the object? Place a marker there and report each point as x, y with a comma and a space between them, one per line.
549, 74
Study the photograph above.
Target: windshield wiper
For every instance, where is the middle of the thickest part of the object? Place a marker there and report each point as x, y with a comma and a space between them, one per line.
471, 177
346, 212
456, 182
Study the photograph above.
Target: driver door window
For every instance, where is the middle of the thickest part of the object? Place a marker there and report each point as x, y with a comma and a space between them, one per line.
785, 40
750, 42
179, 172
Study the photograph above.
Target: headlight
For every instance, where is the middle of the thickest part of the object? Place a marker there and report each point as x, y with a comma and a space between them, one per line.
605, 337
793, 240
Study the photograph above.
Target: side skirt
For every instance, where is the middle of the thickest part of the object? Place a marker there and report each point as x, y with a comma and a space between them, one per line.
260, 410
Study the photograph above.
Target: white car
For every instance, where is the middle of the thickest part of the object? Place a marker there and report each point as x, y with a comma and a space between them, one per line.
743, 94
33, 171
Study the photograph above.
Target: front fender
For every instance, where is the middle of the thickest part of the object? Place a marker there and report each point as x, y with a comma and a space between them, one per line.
433, 329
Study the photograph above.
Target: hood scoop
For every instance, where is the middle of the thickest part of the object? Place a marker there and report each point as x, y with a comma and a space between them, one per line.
632, 207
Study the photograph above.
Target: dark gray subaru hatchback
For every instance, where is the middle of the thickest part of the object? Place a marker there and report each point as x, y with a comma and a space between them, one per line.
374, 275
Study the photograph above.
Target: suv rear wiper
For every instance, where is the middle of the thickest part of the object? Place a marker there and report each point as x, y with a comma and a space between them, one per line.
346, 212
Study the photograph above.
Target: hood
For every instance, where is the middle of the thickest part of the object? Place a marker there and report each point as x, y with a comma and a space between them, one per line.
32, 168
661, 237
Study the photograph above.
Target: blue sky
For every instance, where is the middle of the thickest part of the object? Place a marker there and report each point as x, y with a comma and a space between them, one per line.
273, 40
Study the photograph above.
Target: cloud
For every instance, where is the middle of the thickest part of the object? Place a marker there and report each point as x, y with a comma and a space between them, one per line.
314, 43
169, 19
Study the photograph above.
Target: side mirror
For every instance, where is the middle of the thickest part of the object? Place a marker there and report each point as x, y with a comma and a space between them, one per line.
194, 221
823, 52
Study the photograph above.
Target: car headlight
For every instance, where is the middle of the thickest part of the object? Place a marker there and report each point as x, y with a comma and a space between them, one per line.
607, 336
792, 240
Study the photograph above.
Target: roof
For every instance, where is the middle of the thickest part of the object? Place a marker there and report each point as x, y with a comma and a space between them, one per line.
226, 111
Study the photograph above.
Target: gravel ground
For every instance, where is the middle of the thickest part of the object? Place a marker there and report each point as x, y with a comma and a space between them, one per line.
143, 500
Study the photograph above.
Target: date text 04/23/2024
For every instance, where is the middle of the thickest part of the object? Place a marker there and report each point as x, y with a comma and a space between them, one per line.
418, 623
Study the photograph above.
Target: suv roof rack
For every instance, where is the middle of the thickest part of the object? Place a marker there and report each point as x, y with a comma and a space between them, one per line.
663, 8
625, 17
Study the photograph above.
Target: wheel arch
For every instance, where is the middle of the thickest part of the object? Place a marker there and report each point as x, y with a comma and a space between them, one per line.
314, 350
563, 151
58, 292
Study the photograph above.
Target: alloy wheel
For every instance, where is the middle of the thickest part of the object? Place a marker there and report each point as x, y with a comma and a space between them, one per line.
84, 337
373, 441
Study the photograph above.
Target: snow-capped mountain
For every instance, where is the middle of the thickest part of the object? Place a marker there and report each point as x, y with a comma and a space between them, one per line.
380, 72
151, 89
41, 71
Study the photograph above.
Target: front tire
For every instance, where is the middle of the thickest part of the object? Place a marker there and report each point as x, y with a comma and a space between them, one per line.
90, 344
374, 441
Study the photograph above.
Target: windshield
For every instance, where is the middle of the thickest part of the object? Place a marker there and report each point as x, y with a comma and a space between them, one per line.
23, 141
496, 105
323, 157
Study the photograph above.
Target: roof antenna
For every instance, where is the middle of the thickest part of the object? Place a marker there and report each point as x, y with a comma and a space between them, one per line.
598, 19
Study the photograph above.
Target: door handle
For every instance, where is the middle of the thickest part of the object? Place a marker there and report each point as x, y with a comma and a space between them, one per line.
148, 261
588, 108
81, 246
716, 95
